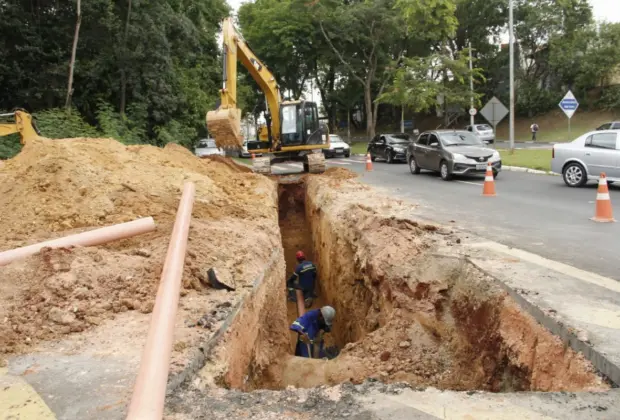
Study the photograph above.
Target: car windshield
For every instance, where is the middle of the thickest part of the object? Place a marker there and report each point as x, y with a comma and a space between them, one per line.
335, 139
483, 127
459, 138
398, 139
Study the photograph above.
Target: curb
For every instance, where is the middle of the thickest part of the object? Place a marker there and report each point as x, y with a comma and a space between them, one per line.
564, 332
528, 170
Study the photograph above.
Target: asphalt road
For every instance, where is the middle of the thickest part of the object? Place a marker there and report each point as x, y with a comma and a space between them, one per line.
536, 213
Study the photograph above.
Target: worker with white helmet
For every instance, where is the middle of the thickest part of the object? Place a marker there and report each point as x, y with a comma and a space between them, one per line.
310, 327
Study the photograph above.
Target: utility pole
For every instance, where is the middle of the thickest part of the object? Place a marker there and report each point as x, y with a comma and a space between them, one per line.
471, 86
512, 76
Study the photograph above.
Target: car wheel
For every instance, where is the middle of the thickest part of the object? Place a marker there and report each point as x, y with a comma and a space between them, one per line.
347, 155
373, 158
444, 171
574, 175
495, 173
390, 157
413, 166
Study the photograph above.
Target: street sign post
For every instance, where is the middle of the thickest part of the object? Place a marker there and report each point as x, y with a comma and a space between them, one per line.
569, 105
494, 111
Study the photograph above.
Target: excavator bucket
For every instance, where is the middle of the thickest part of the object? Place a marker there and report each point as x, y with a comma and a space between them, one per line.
224, 124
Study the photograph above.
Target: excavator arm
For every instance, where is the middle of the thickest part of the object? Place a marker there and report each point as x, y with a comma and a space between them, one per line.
22, 123
225, 123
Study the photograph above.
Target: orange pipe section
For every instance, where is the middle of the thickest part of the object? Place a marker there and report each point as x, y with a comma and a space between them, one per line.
301, 307
90, 238
147, 402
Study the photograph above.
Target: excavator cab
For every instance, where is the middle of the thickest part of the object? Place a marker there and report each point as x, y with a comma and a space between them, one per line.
300, 126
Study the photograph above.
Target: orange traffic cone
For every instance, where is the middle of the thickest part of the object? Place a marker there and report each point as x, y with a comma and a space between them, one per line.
368, 162
603, 203
488, 189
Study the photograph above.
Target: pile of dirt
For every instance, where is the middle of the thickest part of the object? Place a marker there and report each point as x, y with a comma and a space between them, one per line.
340, 173
57, 187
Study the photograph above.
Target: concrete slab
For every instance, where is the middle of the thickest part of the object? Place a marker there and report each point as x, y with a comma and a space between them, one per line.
77, 386
582, 308
435, 404
18, 400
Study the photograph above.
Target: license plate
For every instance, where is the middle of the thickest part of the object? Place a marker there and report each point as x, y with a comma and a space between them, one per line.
481, 167
339, 150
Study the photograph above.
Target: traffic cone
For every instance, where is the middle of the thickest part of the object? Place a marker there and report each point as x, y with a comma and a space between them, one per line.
252, 156
368, 162
603, 203
488, 189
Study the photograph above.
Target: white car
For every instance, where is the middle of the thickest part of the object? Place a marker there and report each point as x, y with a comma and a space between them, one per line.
207, 147
483, 131
337, 147
584, 158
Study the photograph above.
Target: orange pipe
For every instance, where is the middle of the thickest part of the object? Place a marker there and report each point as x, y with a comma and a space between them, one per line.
90, 238
301, 308
149, 391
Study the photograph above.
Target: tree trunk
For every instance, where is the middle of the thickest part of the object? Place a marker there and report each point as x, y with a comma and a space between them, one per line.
73, 52
349, 124
370, 126
124, 61
402, 119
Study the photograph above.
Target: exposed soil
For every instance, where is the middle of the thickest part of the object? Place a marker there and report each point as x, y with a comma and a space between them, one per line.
405, 313
57, 187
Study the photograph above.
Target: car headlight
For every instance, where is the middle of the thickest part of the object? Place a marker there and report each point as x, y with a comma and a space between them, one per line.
399, 150
495, 156
457, 157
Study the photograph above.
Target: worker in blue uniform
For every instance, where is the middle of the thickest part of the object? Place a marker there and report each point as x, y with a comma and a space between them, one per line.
310, 327
304, 279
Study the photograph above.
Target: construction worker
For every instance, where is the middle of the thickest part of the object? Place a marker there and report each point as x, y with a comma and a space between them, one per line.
310, 328
303, 279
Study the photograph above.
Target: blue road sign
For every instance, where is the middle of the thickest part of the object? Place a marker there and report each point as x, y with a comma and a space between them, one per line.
569, 104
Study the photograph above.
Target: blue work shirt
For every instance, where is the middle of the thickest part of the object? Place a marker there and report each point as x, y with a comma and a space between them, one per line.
304, 276
308, 324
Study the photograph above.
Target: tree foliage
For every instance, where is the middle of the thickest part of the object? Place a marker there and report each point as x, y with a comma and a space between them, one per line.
165, 50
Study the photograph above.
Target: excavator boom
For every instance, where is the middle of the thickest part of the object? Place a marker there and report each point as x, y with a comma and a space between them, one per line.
22, 123
293, 131
225, 122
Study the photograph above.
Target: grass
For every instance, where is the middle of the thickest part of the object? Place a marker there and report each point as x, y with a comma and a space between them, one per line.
359, 148
553, 126
528, 158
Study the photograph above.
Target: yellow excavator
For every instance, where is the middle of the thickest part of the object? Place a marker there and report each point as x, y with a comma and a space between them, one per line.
292, 131
19, 122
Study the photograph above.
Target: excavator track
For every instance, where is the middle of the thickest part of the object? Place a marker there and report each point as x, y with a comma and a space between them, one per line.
316, 163
261, 165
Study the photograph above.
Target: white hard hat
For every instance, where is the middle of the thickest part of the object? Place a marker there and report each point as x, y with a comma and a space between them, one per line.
329, 314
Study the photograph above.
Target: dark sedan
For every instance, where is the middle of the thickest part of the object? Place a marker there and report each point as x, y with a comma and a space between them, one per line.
390, 147
451, 152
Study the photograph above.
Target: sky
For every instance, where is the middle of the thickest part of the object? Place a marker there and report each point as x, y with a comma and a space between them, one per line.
608, 10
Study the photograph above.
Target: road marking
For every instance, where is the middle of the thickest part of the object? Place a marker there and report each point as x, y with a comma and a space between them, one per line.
577, 273
338, 162
470, 183
18, 400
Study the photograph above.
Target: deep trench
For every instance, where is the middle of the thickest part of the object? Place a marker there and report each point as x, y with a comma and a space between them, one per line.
462, 343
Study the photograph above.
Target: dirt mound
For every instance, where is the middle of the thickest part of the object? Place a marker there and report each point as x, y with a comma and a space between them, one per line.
340, 173
56, 187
